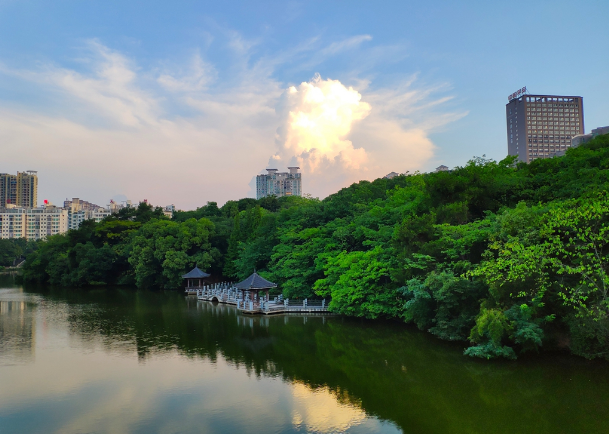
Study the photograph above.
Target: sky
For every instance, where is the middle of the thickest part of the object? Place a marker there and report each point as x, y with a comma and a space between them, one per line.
185, 102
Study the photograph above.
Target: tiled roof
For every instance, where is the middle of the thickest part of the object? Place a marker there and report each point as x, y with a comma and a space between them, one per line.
255, 282
195, 273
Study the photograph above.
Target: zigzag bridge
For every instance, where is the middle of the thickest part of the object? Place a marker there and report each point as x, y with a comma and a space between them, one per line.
250, 302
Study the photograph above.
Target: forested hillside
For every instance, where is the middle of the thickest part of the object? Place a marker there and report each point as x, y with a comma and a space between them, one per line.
510, 257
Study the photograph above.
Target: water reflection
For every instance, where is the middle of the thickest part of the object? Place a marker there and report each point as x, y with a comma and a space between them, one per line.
17, 338
320, 411
134, 361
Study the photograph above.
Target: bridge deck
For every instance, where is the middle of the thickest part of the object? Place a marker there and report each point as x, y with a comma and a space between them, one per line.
228, 295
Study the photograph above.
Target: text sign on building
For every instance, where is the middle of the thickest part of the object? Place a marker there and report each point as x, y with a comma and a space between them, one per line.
518, 93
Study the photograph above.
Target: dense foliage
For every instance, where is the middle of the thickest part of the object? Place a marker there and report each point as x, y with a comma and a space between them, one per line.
510, 257
12, 250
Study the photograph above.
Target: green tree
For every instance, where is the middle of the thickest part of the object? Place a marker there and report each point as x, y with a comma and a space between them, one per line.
163, 250
360, 285
9, 251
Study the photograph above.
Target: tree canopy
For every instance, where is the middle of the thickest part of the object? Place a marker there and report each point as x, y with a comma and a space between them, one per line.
510, 257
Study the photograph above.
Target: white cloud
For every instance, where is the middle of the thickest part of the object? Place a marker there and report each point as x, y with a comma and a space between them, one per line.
196, 133
346, 44
110, 89
337, 136
197, 78
316, 117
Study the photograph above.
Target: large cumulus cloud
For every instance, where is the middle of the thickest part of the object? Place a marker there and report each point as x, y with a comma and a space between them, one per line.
316, 119
198, 131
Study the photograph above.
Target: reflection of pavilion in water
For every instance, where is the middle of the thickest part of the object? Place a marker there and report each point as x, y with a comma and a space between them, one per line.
17, 332
250, 321
226, 310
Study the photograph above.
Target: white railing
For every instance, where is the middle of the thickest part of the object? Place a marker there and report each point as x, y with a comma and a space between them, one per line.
226, 293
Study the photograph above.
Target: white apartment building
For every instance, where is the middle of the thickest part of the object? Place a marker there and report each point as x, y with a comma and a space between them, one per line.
169, 210
75, 218
45, 221
80, 210
38, 223
279, 184
13, 222
100, 214
32, 223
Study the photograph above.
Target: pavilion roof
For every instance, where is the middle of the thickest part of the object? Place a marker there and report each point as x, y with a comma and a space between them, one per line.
195, 273
255, 282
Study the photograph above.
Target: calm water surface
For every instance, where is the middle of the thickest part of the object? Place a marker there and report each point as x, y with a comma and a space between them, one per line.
126, 361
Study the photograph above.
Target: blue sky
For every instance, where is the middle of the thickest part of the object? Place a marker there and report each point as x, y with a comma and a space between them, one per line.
184, 102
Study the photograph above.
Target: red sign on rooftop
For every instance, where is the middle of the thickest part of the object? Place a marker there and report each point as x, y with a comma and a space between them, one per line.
518, 93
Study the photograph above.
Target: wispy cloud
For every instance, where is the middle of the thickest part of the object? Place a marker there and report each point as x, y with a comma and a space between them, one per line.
197, 131
197, 76
110, 88
346, 44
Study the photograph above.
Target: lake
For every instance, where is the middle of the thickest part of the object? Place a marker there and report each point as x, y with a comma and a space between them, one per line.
131, 361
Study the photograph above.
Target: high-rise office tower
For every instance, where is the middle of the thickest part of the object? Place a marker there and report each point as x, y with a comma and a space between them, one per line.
279, 184
20, 189
539, 126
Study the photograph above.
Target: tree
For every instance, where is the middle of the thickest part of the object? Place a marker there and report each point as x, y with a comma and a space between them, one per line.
163, 250
9, 251
360, 285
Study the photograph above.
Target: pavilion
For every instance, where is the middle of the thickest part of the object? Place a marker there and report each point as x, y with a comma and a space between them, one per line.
195, 276
255, 283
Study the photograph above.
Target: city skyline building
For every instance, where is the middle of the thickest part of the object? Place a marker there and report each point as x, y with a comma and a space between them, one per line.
539, 126
32, 223
20, 189
81, 204
584, 138
279, 184
81, 210
36, 223
169, 210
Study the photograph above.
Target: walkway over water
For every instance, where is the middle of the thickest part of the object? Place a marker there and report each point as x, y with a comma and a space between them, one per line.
252, 303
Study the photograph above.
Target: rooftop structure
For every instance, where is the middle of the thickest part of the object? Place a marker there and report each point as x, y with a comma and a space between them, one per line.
391, 175
80, 204
442, 168
253, 284
279, 184
195, 273
194, 279
583, 138
539, 126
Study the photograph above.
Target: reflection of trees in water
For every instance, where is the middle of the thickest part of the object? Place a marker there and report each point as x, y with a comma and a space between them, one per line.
388, 370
